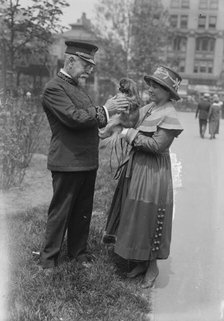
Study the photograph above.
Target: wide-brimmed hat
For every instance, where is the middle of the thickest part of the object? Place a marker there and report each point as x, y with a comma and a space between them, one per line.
82, 49
167, 78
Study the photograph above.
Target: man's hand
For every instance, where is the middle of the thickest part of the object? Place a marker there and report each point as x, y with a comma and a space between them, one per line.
116, 105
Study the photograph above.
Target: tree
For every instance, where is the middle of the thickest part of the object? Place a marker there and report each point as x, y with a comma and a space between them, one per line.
149, 36
27, 31
133, 35
113, 30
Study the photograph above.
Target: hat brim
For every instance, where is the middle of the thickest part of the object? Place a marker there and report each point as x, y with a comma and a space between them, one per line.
163, 84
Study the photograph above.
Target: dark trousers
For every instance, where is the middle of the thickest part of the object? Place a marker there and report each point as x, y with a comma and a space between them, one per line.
202, 127
71, 210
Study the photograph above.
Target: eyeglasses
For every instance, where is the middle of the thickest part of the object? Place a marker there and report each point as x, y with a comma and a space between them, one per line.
85, 63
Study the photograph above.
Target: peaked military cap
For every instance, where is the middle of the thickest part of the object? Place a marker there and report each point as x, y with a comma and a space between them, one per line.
84, 50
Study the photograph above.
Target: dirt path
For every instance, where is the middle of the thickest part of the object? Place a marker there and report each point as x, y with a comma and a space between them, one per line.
36, 189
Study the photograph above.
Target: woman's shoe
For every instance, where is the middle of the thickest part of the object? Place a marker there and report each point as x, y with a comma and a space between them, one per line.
149, 283
139, 269
151, 275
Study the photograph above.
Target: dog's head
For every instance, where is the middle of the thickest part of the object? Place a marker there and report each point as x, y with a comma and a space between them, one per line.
130, 89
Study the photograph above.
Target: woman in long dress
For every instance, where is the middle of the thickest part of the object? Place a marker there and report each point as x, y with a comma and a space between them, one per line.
140, 216
214, 116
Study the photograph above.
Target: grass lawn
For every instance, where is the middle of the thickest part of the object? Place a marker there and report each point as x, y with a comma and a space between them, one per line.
72, 293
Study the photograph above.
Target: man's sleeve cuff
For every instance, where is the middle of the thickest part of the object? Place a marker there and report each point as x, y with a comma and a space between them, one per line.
107, 114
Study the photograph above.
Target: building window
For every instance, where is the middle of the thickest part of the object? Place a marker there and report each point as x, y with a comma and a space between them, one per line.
213, 4
185, 4
175, 4
203, 67
205, 44
203, 4
201, 21
180, 43
183, 21
210, 68
182, 68
195, 68
174, 20
212, 22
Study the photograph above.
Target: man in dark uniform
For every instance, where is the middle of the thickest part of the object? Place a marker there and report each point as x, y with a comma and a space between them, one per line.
202, 113
73, 154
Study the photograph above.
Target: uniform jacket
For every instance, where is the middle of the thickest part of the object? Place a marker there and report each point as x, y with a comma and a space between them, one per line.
203, 109
74, 122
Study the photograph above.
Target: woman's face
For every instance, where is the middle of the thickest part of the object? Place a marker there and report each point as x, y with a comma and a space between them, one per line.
157, 93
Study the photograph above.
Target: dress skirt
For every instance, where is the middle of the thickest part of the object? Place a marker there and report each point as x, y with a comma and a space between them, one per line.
214, 119
140, 216
214, 126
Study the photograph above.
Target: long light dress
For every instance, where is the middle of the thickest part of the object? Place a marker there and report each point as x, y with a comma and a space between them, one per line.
214, 118
140, 216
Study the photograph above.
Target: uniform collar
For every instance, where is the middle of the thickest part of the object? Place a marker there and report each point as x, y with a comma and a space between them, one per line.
65, 76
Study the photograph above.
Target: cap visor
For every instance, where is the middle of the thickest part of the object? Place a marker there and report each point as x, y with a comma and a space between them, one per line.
89, 60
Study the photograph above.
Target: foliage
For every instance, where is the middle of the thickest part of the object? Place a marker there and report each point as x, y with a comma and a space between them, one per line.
27, 31
113, 30
132, 34
19, 132
149, 36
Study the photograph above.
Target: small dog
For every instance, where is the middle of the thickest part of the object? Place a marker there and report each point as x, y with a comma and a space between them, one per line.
128, 118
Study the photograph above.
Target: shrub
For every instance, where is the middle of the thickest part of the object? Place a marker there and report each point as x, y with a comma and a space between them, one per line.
20, 121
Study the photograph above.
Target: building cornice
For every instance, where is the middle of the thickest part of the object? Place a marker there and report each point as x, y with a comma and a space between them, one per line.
197, 32
206, 33
198, 76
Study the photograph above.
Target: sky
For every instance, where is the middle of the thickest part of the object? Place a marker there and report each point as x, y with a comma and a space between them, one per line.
75, 10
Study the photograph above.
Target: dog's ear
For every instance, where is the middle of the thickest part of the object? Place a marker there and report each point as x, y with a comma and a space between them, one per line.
130, 88
123, 85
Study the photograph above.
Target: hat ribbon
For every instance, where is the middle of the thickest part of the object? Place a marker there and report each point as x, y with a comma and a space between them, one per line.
165, 73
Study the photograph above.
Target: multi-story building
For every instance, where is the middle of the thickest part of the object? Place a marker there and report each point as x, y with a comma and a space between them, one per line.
80, 30
197, 46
